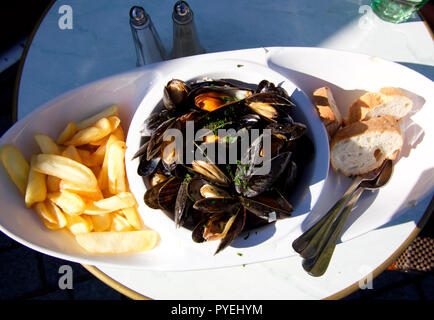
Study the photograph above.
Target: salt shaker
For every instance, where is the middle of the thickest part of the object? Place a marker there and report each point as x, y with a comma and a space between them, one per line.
185, 38
148, 45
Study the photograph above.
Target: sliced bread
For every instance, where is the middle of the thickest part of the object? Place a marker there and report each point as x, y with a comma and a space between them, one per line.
327, 109
389, 101
363, 146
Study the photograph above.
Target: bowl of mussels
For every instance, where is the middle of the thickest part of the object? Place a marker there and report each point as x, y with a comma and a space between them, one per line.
220, 154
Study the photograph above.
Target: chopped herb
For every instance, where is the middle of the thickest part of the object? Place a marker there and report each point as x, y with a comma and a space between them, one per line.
240, 65
231, 139
240, 254
226, 99
244, 265
169, 117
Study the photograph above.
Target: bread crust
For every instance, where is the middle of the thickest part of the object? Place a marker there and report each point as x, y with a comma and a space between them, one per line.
360, 108
327, 110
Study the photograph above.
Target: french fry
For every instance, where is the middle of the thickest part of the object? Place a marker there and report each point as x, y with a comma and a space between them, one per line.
103, 173
93, 193
36, 189
99, 142
89, 221
92, 210
119, 133
67, 133
118, 242
132, 216
65, 169
117, 181
120, 223
16, 166
56, 212
53, 184
71, 152
77, 224
50, 214
69, 202
117, 202
113, 110
91, 159
101, 222
46, 144
97, 131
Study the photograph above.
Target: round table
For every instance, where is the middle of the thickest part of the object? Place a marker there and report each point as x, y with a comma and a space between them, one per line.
99, 44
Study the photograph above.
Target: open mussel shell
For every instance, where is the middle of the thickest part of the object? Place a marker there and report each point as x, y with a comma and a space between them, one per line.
290, 131
182, 203
252, 182
266, 86
157, 137
211, 172
175, 94
163, 195
268, 207
216, 205
155, 120
222, 226
211, 98
268, 105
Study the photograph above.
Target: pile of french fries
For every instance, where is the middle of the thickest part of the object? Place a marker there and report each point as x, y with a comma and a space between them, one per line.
78, 183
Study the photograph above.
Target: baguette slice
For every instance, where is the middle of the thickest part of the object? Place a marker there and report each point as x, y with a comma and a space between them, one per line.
363, 146
327, 109
389, 101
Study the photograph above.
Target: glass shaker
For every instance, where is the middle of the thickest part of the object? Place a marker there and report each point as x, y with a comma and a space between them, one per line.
185, 38
148, 45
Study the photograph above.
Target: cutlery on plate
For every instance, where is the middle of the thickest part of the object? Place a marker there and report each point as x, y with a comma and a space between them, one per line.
317, 265
309, 244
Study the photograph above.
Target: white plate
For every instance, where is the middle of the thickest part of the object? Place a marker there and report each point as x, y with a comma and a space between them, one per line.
346, 73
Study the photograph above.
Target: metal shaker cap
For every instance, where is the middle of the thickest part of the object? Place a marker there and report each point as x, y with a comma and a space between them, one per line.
138, 16
182, 12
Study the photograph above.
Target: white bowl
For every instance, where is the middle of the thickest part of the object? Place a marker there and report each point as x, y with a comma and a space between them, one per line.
137, 93
266, 242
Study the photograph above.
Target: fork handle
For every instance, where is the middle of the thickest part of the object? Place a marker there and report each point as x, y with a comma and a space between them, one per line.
317, 265
311, 241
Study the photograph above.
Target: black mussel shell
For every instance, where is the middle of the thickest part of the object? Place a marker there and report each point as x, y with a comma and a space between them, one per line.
147, 167
216, 205
250, 183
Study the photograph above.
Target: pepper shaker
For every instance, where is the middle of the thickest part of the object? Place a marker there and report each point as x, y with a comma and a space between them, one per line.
185, 38
148, 45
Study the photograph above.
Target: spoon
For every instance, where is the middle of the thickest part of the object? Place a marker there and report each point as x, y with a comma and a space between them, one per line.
317, 265
309, 243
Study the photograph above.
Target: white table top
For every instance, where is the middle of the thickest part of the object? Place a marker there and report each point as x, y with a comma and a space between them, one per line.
100, 44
